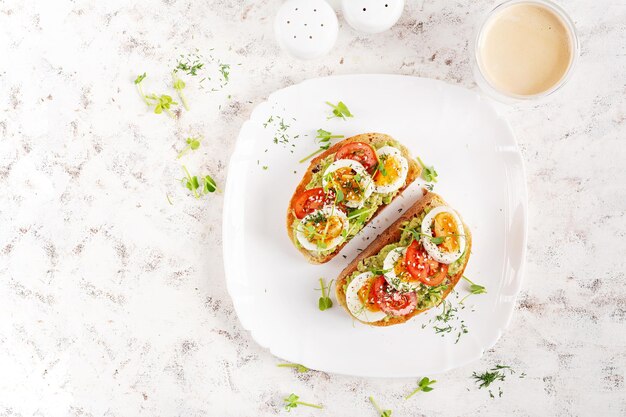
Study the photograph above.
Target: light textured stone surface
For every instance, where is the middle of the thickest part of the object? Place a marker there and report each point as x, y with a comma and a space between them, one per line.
113, 302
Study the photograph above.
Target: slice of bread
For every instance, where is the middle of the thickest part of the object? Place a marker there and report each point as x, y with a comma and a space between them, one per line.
392, 235
369, 138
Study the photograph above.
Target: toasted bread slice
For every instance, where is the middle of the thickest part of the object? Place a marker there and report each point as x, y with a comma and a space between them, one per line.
370, 138
392, 235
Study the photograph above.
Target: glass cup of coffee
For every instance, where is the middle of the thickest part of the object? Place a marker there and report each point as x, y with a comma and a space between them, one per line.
525, 49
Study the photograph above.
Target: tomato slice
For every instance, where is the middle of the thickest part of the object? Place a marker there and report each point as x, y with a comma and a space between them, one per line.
360, 152
390, 301
421, 266
309, 201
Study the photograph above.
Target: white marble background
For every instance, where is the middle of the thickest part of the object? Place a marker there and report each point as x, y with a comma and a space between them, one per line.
113, 302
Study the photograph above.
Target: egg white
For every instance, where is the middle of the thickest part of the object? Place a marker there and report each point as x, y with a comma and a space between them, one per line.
390, 274
328, 211
366, 182
355, 305
394, 153
432, 249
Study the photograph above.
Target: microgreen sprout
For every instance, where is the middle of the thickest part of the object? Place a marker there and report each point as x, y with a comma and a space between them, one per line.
138, 82
162, 102
205, 185
225, 71
340, 110
324, 142
381, 412
292, 402
475, 289
496, 374
325, 302
300, 368
179, 85
192, 144
423, 385
429, 173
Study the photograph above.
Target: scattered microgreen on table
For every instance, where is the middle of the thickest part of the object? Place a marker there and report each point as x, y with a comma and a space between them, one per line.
192, 144
325, 302
340, 111
292, 402
475, 289
428, 172
423, 385
198, 187
496, 374
381, 412
179, 85
300, 368
324, 142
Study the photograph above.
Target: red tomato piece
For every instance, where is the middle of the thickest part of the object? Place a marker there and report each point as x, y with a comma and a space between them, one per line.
421, 266
390, 301
360, 152
309, 201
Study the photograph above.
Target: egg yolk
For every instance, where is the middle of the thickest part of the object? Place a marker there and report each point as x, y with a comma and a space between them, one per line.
326, 230
366, 298
401, 271
390, 173
345, 180
445, 226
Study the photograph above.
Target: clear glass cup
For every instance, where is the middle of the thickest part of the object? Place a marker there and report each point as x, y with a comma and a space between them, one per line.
479, 73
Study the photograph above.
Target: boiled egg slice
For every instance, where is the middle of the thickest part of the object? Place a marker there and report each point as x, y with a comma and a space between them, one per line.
356, 299
396, 274
351, 178
443, 222
323, 229
392, 172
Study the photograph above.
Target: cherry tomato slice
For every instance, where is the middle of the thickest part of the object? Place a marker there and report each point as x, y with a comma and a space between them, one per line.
309, 201
421, 266
390, 301
360, 152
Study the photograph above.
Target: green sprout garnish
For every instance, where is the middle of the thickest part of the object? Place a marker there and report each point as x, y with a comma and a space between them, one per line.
429, 173
300, 368
292, 402
475, 289
381, 412
198, 187
179, 85
423, 385
325, 302
340, 110
192, 144
324, 141
495, 374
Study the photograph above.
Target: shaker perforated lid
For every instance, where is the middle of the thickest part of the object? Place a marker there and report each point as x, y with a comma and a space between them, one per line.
306, 29
372, 16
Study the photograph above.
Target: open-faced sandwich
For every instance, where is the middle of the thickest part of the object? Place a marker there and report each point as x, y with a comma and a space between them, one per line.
410, 267
343, 189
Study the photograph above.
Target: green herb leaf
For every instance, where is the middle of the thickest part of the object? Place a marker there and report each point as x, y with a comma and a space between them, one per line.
428, 172
293, 401
300, 368
140, 78
192, 143
496, 374
325, 302
209, 185
474, 289
381, 412
423, 385
340, 110
324, 142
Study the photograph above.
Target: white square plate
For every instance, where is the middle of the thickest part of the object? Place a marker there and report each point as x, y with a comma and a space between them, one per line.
480, 174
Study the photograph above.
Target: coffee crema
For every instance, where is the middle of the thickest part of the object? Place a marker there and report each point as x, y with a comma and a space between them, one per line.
525, 49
